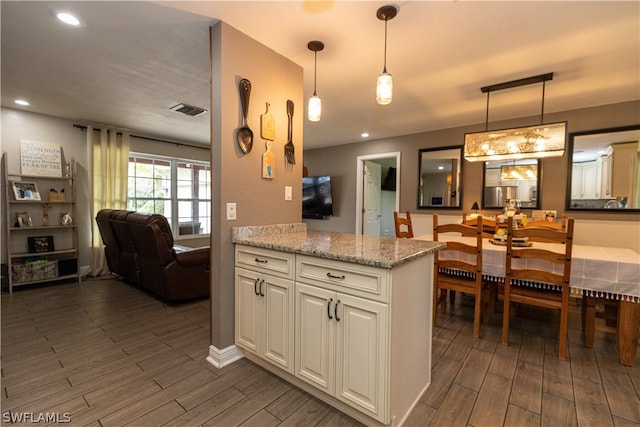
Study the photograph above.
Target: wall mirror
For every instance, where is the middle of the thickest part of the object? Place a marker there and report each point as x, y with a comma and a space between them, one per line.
603, 172
512, 179
440, 178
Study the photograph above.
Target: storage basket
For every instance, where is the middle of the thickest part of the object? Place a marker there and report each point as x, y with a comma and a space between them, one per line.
36, 270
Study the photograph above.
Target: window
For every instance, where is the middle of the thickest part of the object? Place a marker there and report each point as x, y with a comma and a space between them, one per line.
178, 189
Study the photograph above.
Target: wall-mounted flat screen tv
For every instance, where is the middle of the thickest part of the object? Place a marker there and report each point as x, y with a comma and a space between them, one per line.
317, 202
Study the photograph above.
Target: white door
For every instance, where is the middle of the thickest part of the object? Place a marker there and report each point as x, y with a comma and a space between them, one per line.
315, 336
278, 321
361, 356
371, 199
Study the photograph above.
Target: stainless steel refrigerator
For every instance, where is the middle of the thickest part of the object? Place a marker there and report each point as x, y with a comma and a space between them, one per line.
495, 197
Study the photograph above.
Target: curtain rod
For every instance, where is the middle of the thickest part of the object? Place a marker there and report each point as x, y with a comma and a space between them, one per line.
83, 127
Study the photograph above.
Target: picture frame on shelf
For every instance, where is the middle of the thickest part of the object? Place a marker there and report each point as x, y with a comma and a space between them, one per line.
23, 190
23, 219
39, 244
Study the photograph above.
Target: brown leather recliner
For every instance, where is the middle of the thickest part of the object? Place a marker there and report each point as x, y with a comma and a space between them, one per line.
171, 272
119, 250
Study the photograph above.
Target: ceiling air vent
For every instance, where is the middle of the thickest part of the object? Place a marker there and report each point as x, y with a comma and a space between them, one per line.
189, 110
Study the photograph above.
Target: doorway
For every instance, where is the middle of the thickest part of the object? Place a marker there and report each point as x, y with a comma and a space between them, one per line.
375, 205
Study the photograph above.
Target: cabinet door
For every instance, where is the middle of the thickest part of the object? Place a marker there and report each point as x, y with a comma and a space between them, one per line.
315, 336
278, 321
248, 309
576, 181
361, 356
605, 187
589, 181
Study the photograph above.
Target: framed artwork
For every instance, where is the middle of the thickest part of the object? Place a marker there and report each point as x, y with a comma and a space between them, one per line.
25, 190
40, 244
23, 219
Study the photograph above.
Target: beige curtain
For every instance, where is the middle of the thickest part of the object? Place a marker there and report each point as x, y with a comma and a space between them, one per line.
110, 167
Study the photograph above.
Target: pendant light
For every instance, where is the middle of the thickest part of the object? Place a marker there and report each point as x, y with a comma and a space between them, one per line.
384, 87
543, 140
314, 110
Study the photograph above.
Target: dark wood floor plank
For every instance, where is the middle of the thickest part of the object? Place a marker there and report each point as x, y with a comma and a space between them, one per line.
309, 414
286, 404
421, 415
261, 419
618, 388
223, 382
557, 411
456, 407
591, 403
526, 391
557, 379
442, 377
493, 400
474, 369
517, 416
262, 395
158, 416
210, 406
153, 401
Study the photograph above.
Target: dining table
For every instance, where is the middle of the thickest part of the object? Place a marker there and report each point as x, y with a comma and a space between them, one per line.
597, 272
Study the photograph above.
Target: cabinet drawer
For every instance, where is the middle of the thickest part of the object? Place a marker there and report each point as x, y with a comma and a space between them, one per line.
355, 279
269, 261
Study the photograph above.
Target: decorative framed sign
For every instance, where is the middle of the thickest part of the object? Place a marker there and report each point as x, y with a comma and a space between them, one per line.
40, 159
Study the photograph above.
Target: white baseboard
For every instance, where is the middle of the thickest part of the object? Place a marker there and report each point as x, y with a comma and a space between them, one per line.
224, 357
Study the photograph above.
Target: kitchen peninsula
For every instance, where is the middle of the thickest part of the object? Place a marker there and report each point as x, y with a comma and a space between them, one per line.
345, 317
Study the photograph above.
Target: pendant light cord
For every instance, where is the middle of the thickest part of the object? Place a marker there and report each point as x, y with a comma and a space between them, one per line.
385, 46
486, 119
542, 112
315, 71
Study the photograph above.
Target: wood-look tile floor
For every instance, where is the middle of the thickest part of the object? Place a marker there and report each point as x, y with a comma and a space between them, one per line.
108, 354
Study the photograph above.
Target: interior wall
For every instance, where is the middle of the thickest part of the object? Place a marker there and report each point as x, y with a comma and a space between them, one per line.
237, 177
340, 163
18, 125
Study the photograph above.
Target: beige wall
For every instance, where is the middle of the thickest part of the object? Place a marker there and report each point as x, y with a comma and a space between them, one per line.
237, 177
340, 163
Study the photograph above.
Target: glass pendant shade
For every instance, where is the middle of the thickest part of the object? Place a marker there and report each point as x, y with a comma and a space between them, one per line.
384, 89
546, 140
315, 108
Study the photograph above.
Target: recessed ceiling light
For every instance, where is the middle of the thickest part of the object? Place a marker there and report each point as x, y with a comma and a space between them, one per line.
440, 168
365, 134
21, 102
68, 18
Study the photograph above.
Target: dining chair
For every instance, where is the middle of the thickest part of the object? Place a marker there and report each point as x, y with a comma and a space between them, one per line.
538, 276
489, 225
404, 227
458, 268
561, 226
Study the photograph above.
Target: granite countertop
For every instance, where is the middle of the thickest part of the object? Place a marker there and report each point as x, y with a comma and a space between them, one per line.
385, 252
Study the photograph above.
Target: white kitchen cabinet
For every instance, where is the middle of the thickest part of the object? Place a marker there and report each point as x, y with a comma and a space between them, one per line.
361, 338
584, 182
341, 343
264, 305
624, 171
605, 177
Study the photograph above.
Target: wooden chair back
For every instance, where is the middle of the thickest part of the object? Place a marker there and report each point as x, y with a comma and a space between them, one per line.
540, 276
404, 227
489, 225
458, 267
561, 226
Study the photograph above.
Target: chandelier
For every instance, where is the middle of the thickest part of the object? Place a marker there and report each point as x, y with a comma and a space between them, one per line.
544, 140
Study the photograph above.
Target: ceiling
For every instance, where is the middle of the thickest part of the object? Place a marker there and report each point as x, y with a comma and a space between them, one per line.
131, 61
